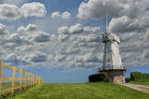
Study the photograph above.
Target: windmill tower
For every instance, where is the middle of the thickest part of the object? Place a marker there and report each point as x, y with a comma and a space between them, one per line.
112, 63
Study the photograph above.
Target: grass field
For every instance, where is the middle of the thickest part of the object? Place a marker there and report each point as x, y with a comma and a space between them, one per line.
6, 85
140, 82
81, 91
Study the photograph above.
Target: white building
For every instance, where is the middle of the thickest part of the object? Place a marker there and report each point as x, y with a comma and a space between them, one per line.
112, 63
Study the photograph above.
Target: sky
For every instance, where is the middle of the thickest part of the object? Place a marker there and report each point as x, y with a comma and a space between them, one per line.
63, 38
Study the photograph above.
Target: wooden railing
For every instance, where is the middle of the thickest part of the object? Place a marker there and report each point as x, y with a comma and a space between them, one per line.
9, 85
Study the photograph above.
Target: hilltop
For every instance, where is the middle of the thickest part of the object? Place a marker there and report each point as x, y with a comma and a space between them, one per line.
81, 91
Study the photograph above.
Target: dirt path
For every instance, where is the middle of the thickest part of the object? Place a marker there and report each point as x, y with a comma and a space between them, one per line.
143, 88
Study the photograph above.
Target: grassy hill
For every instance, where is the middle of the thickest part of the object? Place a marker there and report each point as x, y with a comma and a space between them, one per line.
140, 82
81, 91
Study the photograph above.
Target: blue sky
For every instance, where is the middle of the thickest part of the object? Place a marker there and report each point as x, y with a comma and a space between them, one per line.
72, 56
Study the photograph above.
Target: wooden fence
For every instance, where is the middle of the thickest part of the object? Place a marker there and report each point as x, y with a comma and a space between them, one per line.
9, 85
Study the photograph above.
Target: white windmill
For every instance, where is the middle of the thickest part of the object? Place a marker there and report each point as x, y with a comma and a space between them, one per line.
112, 63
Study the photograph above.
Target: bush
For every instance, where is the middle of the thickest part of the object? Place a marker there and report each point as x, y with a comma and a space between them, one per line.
102, 76
127, 80
136, 76
139, 76
145, 76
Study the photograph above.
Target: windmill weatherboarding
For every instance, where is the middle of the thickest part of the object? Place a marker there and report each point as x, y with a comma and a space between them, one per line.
112, 63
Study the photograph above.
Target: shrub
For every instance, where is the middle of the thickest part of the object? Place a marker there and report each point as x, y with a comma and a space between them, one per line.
136, 76
139, 76
102, 76
127, 80
145, 76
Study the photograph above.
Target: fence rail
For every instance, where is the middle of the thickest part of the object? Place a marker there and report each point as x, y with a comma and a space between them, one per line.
8, 85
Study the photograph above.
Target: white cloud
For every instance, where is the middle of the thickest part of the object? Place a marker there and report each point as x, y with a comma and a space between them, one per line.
55, 14
32, 33
123, 24
35, 57
77, 46
91, 29
63, 15
31, 27
13, 12
3, 30
28, 28
100, 8
8, 11
66, 15
126, 24
63, 29
69, 51
15, 2
129, 21
77, 28
128, 15
41, 37
33, 9
14, 38
114, 8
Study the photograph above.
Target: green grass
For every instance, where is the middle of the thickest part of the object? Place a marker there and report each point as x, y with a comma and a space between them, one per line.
140, 82
6, 85
81, 91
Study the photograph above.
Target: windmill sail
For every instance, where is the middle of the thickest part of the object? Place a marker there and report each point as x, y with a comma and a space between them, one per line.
112, 58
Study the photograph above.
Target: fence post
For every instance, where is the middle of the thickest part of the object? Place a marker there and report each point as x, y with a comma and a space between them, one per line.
13, 79
1, 75
21, 76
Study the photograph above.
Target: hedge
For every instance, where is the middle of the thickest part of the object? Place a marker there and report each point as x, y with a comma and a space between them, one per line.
102, 76
139, 76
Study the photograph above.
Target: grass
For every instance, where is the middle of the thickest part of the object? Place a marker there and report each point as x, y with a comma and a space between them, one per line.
6, 85
140, 82
81, 91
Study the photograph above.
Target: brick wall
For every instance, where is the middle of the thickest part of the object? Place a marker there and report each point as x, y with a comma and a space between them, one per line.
116, 76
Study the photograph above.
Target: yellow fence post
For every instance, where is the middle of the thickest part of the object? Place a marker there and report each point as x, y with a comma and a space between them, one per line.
20, 82
27, 79
1, 75
13, 79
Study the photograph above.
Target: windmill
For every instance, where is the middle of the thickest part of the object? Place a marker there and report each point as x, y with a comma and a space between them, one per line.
112, 63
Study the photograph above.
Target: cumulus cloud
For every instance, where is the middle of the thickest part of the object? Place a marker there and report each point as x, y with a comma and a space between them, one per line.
114, 8
129, 21
125, 24
66, 15
72, 50
8, 11
29, 27
23, 46
61, 50
33, 9
3, 29
78, 46
100, 8
32, 33
128, 15
69, 51
36, 57
15, 2
13, 12
15, 38
63, 15
77, 28
55, 14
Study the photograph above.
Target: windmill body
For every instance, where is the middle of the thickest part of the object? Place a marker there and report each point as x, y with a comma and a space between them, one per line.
112, 58
112, 63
